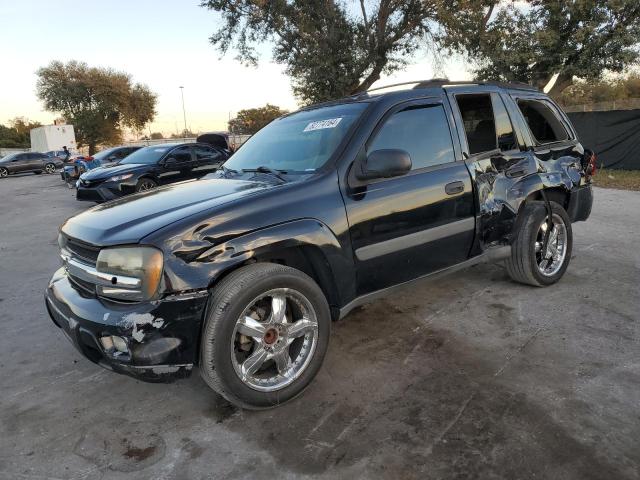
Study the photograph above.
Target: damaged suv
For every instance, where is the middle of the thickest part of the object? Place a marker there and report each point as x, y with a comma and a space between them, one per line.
242, 272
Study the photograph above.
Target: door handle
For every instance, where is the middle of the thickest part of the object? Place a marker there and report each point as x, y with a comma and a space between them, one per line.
454, 187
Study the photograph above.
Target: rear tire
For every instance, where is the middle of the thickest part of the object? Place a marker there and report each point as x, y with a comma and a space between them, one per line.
528, 264
50, 168
265, 335
145, 184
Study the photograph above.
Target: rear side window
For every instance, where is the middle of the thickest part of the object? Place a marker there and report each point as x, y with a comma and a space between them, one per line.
422, 131
479, 124
544, 124
504, 129
182, 154
205, 153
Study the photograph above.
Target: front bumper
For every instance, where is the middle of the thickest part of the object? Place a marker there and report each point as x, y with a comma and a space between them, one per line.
162, 336
105, 191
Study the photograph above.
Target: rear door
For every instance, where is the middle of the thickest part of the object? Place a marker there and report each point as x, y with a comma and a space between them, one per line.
208, 159
38, 161
408, 226
496, 154
177, 165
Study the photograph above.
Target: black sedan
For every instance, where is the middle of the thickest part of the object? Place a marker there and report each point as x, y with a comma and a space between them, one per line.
102, 158
148, 168
28, 162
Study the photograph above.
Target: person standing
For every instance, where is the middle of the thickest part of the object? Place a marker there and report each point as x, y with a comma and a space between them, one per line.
66, 154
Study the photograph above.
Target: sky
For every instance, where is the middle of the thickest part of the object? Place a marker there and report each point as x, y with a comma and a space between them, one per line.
163, 44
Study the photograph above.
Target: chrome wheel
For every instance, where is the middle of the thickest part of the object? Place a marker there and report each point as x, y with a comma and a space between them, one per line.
50, 168
4, 172
274, 339
550, 261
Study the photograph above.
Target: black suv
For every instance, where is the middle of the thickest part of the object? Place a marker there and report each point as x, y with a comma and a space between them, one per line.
149, 167
322, 210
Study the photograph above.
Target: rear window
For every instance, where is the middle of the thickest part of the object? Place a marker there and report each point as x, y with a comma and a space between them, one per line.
543, 122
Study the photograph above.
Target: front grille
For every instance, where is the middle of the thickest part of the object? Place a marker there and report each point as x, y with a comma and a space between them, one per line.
90, 183
83, 286
84, 252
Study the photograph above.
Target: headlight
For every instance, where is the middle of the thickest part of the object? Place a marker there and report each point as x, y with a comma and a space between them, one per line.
139, 268
119, 178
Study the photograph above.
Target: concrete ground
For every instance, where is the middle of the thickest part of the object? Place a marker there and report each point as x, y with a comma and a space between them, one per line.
471, 376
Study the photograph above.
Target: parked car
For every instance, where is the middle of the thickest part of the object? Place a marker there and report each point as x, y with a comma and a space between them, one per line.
148, 168
102, 158
319, 212
28, 162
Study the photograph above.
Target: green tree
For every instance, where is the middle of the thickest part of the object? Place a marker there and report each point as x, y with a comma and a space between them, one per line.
330, 48
18, 133
98, 102
250, 120
587, 92
156, 136
532, 44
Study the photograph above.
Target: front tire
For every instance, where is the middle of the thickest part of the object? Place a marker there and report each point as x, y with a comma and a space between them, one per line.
265, 335
145, 184
4, 172
528, 262
50, 168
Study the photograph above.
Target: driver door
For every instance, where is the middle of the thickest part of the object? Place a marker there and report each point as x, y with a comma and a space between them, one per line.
417, 223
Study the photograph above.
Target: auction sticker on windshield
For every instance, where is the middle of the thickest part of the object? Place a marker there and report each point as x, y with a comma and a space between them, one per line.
320, 124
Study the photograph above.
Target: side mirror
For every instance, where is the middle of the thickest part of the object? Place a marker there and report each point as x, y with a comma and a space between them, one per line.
169, 162
385, 164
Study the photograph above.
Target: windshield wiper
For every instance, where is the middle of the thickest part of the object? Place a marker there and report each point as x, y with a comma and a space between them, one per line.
229, 170
269, 170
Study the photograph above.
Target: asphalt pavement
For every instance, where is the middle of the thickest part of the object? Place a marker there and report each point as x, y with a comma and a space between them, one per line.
468, 376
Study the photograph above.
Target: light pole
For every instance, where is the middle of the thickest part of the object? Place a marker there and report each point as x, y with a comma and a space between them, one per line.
184, 113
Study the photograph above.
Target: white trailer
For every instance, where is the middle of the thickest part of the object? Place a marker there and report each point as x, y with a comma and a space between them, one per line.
53, 137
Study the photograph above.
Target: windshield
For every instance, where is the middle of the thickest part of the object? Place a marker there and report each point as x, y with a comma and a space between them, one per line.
300, 142
146, 155
8, 157
101, 155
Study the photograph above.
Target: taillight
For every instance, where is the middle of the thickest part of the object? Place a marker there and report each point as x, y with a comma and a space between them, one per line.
592, 164
589, 164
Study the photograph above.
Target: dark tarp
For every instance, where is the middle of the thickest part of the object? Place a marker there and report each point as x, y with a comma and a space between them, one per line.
614, 136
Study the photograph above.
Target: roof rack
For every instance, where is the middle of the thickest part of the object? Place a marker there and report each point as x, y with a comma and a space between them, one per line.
441, 82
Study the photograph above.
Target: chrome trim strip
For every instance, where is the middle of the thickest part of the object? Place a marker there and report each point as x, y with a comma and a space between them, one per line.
414, 239
492, 254
90, 274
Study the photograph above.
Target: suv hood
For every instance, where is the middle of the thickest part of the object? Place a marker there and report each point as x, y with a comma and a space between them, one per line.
109, 170
132, 218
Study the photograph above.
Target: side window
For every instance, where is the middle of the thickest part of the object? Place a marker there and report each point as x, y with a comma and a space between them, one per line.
479, 124
544, 124
504, 129
422, 131
205, 153
182, 154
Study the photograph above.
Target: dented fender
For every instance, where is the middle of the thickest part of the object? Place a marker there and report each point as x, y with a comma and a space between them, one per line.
200, 262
